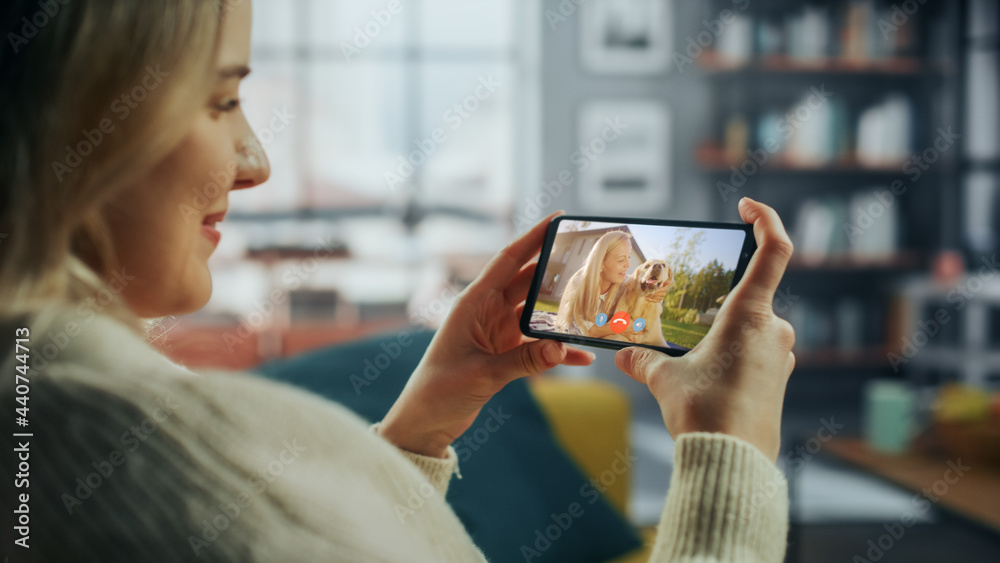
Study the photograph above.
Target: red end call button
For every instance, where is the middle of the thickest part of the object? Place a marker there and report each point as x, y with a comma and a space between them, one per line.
620, 322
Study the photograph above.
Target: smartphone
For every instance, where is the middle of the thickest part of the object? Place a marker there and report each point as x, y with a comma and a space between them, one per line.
618, 282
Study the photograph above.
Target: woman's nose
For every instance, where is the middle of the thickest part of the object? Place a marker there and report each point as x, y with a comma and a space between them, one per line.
252, 166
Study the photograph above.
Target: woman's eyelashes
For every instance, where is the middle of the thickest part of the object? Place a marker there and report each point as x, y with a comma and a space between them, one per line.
228, 105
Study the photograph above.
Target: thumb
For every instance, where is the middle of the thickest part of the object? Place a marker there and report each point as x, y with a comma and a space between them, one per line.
638, 363
531, 358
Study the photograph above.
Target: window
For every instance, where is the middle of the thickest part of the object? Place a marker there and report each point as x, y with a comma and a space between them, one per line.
414, 107
394, 131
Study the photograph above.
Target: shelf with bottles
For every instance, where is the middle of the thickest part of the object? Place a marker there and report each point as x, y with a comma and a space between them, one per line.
714, 63
900, 262
871, 357
868, 230
847, 37
714, 158
822, 133
836, 331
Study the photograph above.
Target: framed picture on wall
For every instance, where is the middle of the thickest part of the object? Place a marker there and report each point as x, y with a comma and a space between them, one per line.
626, 36
624, 157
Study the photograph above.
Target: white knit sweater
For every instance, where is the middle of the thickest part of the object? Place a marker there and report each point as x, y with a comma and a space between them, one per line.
135, 458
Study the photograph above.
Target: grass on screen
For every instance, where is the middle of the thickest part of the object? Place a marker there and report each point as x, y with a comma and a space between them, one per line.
550, 306
686, 335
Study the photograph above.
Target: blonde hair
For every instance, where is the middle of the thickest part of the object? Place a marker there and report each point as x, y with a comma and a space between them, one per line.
70, 141
581, 298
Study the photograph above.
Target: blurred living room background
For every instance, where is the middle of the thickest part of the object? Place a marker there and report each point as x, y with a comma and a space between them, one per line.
410, 140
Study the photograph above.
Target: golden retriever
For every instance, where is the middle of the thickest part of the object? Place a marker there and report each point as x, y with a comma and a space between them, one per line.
649, 277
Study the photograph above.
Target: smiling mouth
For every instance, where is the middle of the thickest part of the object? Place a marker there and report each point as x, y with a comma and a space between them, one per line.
214, 218
208, 226
209, 231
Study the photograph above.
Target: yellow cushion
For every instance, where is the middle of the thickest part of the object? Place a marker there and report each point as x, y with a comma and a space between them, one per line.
591, 418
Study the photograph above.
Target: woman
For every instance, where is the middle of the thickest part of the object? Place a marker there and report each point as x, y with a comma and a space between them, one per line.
121, 109
597, 287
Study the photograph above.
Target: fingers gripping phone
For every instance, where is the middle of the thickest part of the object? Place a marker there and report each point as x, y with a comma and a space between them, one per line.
615, 282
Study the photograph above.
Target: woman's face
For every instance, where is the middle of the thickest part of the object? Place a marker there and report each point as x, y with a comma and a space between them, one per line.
616, 263
162, 226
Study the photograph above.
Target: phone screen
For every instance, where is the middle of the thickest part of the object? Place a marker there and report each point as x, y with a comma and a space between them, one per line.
627, 283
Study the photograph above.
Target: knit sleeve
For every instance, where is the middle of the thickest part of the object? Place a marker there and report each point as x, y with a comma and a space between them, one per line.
727, 502
437, 470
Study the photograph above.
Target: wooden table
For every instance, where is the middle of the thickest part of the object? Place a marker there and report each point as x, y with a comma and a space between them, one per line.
975, 495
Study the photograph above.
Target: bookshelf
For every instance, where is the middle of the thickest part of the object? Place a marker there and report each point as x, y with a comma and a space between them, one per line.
712, 158
712, 62
847, 309
901, 262
831, 358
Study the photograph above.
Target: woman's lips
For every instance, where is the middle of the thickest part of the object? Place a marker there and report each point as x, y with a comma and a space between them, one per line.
208, 226
211, 234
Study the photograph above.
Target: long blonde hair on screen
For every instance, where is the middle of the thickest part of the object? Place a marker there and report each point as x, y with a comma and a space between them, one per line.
581, 298
61, 84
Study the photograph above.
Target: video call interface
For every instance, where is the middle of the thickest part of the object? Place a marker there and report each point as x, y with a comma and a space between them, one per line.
633, 283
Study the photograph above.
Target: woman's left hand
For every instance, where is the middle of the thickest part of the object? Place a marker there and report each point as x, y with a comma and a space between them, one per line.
477, 351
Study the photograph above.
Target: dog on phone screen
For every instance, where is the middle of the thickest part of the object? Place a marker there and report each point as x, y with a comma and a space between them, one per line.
648, 278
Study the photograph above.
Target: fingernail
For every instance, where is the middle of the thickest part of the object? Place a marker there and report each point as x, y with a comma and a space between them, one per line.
624, 357
551, 352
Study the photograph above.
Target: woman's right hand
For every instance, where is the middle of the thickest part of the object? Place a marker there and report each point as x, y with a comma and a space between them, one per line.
733, 381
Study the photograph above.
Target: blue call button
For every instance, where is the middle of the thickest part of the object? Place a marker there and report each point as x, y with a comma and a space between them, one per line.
639, 324
601, 319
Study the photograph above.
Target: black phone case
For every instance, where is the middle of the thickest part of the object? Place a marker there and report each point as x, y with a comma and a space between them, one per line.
749, 247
